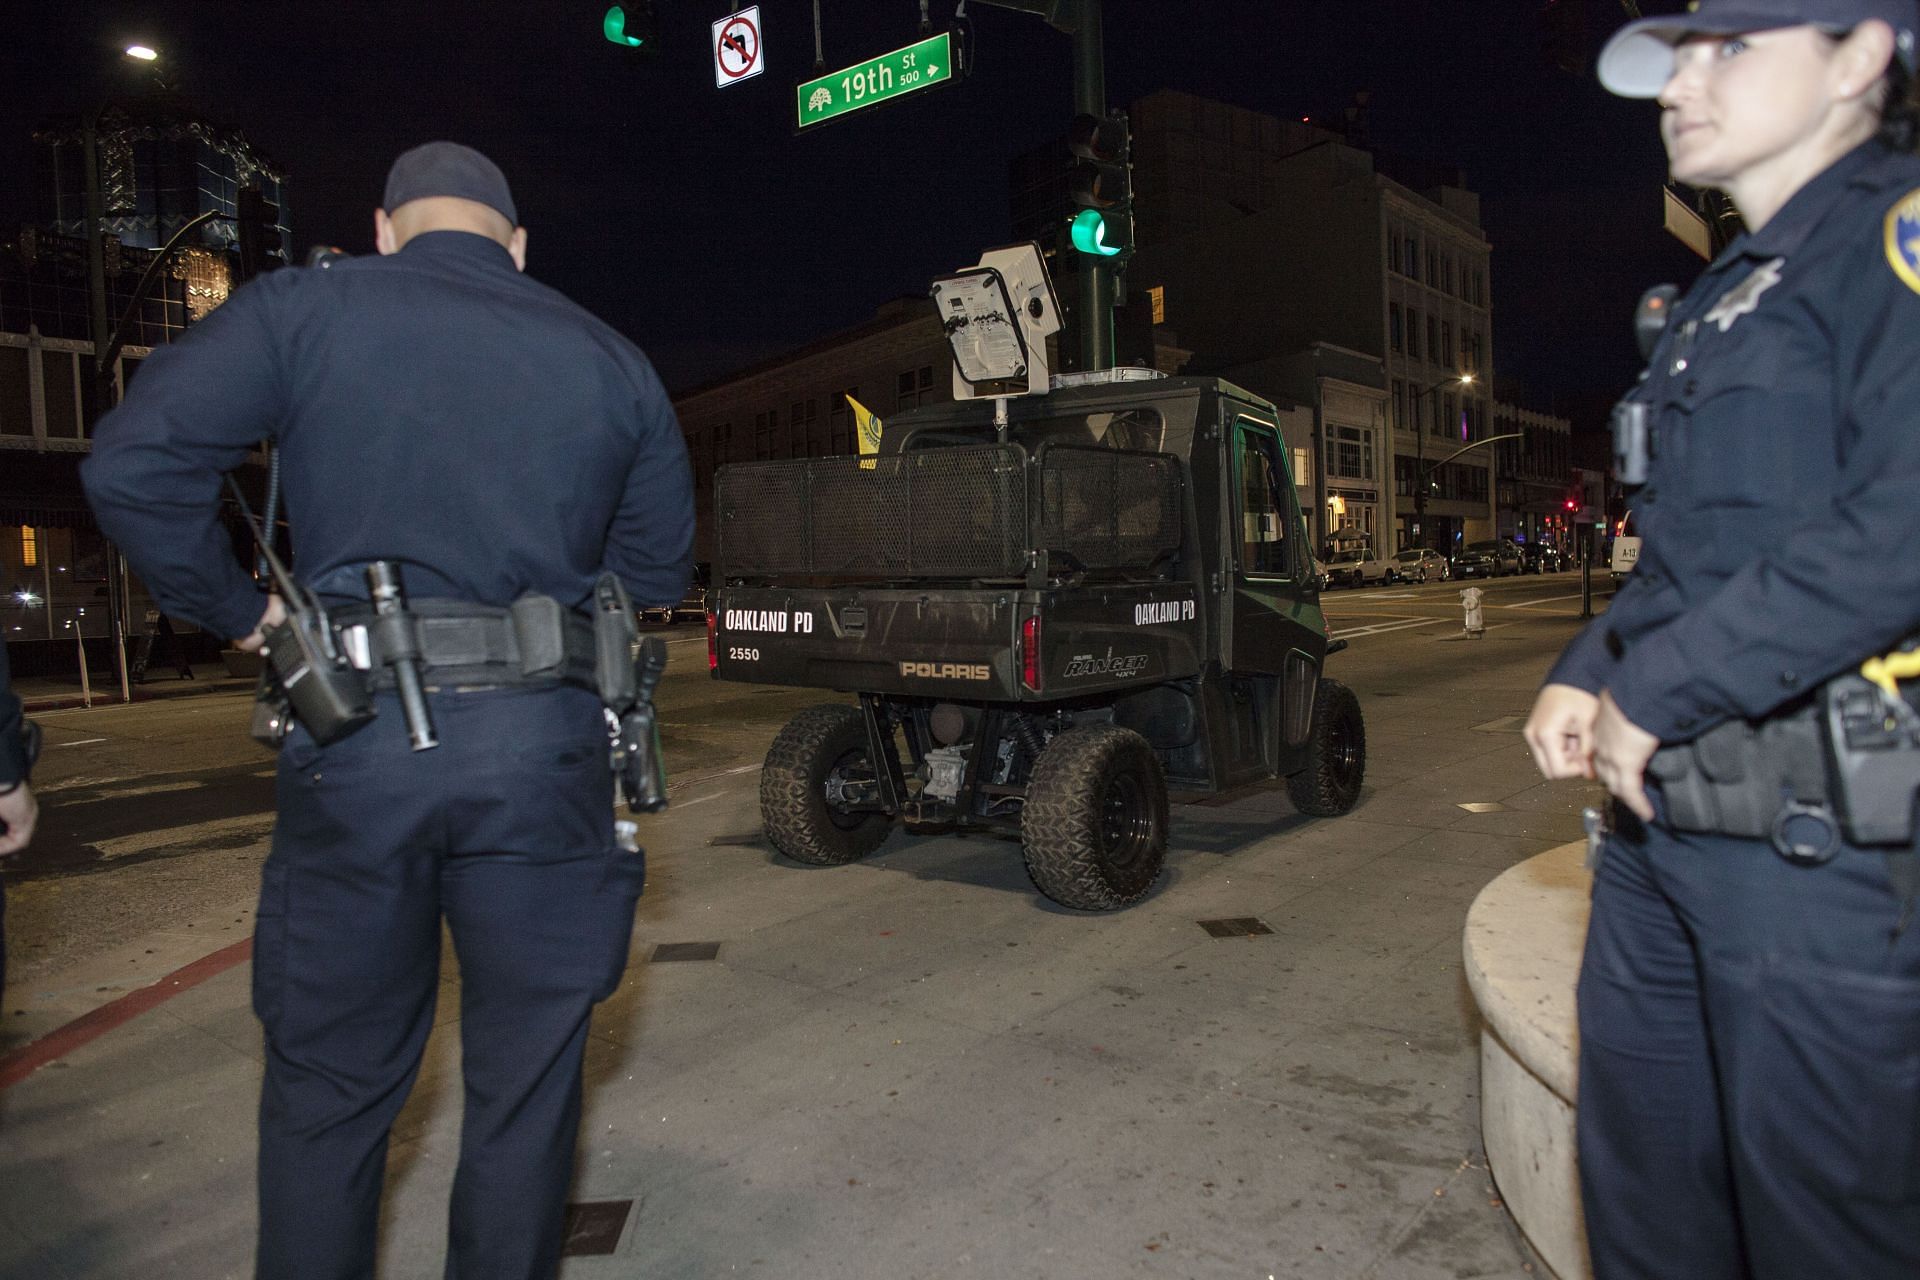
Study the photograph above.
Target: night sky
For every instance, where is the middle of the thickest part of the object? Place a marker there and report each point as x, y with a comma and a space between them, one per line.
695, 221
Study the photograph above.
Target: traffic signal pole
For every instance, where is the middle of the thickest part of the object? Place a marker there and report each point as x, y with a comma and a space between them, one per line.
1096, 274
1082, 20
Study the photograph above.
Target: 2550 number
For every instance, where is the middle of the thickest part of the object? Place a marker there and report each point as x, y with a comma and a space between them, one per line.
736, 654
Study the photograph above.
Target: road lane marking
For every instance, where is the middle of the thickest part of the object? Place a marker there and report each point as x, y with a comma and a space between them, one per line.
1388, 626
80, 743
128, 793
1526, 604
257, 824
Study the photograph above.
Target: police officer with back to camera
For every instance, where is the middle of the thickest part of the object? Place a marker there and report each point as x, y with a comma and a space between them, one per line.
19, 743
1749, 1002
474, 467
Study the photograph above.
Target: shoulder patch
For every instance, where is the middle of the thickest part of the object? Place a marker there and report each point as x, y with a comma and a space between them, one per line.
1903, 239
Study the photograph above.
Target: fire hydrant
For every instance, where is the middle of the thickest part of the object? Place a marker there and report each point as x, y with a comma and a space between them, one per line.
1476, 624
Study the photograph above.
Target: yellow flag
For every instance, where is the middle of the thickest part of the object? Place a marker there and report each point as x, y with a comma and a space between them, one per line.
868, 432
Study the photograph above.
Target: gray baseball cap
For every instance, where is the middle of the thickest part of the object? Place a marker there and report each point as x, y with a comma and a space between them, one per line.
448, 169
1638, 61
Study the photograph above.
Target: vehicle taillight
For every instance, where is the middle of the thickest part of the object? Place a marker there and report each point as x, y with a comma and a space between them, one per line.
1030, 653
713, 642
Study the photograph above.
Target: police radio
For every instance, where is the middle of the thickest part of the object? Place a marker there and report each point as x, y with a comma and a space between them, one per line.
1632, 418
326, 693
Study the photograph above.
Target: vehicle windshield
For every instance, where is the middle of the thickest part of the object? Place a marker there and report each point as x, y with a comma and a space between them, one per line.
1408, 557
1483, 546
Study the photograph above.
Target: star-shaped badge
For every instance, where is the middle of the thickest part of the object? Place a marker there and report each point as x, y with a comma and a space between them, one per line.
1744, 297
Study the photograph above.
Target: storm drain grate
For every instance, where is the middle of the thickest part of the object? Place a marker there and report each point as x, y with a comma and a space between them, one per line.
685, 951
594, 1227
1237, 927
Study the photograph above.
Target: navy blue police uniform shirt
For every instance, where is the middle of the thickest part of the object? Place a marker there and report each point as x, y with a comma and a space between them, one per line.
13, 755
1781, 516
435, 407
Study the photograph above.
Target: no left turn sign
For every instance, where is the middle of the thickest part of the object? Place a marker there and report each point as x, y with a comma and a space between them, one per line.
736, 47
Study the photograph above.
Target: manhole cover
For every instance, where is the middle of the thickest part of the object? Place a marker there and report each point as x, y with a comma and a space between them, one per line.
1237, 927
685, 951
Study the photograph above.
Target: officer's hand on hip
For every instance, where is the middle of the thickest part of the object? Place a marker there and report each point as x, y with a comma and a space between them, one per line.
275, 615
18, 812
1621, 750
1560, 731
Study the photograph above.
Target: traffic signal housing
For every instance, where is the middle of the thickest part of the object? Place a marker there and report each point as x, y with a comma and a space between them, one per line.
1100, 184
631, 25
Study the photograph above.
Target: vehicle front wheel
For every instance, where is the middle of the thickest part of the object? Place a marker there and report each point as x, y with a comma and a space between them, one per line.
821, 749
1336, 755
1095, 822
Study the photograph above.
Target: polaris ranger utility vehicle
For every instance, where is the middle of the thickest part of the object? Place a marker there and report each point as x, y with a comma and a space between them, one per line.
1053, 607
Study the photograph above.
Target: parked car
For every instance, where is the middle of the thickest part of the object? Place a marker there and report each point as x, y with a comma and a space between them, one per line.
1493, 558
1356, 566
1542, 557
1419, 564
692, 606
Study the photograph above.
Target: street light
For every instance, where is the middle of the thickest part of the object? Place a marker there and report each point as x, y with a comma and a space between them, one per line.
1420, 451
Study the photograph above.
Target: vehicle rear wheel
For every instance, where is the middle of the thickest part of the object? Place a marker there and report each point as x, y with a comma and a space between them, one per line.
1336, 755
1095, 822
819, 748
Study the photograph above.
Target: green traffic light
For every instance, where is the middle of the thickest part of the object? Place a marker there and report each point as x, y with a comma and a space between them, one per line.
1089, 234
615, 27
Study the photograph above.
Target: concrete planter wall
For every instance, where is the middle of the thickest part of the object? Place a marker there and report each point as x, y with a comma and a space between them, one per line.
1524, 936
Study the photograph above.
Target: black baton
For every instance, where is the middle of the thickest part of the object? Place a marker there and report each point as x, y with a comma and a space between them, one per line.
400, 649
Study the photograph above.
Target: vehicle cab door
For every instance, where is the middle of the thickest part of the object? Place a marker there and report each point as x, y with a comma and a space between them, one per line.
1274, 609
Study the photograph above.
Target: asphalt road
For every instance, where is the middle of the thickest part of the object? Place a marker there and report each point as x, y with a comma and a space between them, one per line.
156, 814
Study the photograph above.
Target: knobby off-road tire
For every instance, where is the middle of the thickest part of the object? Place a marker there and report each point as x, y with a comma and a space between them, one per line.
1095, 822
1336, 754
793, 789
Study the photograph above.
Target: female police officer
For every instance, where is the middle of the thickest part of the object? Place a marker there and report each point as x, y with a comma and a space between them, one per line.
1750, 1025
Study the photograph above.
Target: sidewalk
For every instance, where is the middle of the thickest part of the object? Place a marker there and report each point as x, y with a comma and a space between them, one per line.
57, 693
916, 1067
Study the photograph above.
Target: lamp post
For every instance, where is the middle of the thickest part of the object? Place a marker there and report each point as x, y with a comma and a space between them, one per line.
98, 388
1420, 453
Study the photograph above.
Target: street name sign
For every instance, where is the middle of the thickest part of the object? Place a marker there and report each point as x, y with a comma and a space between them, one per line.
883, 79
736, 47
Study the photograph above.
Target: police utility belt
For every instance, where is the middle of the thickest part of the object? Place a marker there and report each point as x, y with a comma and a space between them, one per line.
1846, 762
323, 667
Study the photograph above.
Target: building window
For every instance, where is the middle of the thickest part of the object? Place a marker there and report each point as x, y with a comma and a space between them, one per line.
1394, 336
1433, 338
1300, 472
764, 425
916, 388
1413, 257
1393, 249
29, 546
840, 422
800, 428
1433, 269
1352, 454
1446, 344
1399, 404
1413, 332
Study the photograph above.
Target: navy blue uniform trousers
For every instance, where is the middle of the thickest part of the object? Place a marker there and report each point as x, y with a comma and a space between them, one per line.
505, 831
1749, 1064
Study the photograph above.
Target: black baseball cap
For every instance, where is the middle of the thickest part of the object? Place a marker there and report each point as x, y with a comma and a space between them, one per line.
1638, 61
448, 169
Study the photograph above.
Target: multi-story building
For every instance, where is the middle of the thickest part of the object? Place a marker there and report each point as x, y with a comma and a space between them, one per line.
1535, 474
1265, 237
159, 167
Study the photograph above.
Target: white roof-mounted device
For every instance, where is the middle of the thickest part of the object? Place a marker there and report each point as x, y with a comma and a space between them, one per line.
997, 317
